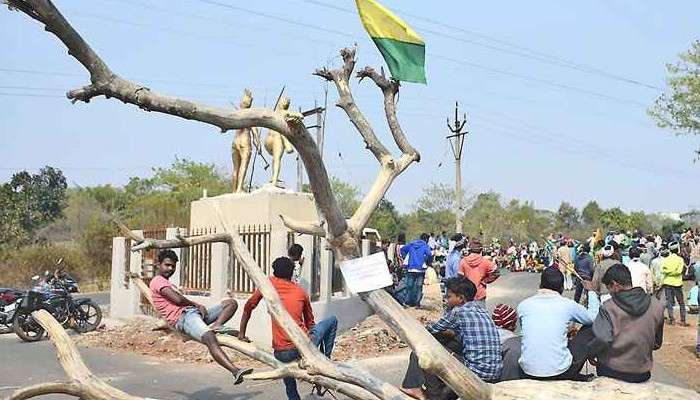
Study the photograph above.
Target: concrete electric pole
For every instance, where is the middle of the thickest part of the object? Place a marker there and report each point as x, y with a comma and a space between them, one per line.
320, 127
457, 143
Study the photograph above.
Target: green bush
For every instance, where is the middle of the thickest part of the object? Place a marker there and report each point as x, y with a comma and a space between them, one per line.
17, 266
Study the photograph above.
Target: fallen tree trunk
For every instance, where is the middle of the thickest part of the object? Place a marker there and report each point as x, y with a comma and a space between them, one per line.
342, 235
280, 369
83, 383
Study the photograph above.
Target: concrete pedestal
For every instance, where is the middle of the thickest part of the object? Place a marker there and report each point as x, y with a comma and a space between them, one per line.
261, 207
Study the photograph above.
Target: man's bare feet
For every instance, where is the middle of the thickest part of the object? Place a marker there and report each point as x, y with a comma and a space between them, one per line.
416, 393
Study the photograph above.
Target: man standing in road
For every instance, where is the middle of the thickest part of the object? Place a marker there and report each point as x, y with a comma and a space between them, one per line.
672, 271
584, 267
479, 270
193, 319
420, 257
641, 274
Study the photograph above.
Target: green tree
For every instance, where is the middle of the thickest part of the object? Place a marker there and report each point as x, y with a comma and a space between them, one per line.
29, 202
438, 197
679, 108
164, 198
616, 219
387, 221
590, 214
567, 218
346, 195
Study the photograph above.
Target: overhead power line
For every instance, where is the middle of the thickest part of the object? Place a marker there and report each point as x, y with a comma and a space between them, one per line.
462, 63
520, 51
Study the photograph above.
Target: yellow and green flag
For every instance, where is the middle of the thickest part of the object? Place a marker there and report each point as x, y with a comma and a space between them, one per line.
402, 48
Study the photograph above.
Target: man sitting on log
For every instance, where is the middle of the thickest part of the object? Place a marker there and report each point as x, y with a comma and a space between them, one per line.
468, 331
193, 319
545, 319
627, 329
298, 305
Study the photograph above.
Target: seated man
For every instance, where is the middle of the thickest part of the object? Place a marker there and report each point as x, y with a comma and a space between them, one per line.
627, 329
191, 318
544, 322
469, 333
506, 319
298, 305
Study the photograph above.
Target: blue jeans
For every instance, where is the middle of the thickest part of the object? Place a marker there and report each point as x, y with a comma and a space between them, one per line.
193, 325
414, 288
323, 336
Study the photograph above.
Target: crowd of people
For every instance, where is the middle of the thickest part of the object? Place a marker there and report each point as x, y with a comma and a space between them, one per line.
622, 284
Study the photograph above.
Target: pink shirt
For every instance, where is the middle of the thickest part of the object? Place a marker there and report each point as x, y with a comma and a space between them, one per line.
170, 311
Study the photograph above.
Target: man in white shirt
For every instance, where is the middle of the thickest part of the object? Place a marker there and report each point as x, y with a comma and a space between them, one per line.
641, 274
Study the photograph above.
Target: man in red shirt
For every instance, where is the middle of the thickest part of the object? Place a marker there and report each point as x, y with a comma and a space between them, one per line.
478, 269
192, 318
298, 305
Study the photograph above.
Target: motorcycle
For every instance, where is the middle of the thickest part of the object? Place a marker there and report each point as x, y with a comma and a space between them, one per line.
10, 300
54, 296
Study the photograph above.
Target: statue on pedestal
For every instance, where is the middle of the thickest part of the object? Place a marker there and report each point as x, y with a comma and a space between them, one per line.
241, 148
276, 145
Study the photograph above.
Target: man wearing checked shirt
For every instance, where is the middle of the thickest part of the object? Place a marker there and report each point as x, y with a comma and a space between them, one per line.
467, 331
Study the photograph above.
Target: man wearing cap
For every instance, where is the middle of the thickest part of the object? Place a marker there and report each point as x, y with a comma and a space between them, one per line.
672, 271
641, 274
506, 319
608, 254
478, 269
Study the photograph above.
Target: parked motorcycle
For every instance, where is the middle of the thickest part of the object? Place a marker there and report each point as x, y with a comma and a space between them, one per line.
54, 296
10, 300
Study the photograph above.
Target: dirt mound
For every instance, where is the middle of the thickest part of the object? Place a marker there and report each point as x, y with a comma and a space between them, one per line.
370, 338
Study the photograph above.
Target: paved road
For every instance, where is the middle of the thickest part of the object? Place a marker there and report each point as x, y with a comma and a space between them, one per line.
30, 363
101, 298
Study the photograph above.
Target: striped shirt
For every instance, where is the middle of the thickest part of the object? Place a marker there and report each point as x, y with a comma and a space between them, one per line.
479, 336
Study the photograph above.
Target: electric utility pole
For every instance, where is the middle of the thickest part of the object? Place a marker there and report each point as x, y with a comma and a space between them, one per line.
456, 144
320, 127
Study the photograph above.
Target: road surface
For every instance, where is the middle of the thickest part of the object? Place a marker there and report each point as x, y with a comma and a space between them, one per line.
31, 363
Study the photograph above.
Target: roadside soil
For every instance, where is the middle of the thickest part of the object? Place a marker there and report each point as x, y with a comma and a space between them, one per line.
677, 354
370, 338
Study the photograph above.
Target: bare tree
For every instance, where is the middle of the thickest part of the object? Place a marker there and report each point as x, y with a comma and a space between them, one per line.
342, 235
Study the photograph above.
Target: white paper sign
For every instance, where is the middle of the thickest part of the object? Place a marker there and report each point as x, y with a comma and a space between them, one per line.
366, 273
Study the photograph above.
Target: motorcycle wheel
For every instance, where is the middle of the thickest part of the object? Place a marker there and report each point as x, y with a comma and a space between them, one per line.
87, 317
26, 328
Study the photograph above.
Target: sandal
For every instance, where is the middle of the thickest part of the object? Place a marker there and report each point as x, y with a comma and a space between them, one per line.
238, 377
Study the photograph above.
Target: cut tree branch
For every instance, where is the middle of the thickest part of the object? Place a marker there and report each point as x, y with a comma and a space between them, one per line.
83, 383
292, 370
390, 88
341, 78
42, 389
306, 227
317, 364
107, 83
